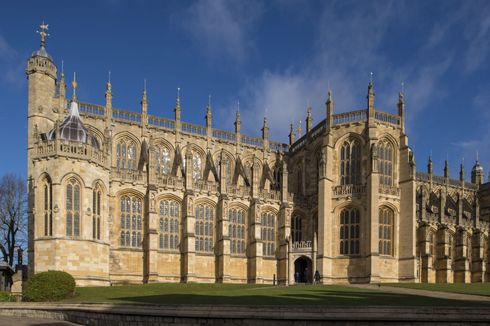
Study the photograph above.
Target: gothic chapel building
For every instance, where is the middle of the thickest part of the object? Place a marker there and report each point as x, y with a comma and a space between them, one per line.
118, 196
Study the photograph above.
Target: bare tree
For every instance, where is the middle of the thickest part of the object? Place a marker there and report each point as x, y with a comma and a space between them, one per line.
13, 216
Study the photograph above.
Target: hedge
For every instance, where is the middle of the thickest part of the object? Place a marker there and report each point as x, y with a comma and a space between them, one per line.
49, 286
6, 297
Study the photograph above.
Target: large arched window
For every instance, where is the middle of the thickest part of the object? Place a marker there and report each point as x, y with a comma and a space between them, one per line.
96, 203
169, 224
131, 221
350, 163
162, 160
126, 155
248, 171
296, 228
385, 163
226, 164
277, 177
73, 208
268, 232
385, 233
47, 206
196, 166
237, 229
204, 228
349, 231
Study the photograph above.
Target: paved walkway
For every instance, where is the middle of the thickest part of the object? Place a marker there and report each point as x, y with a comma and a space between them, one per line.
425, 293
25, 321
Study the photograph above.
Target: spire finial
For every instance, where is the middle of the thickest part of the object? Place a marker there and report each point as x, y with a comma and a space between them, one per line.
108, 86
74, 85
62, 68
477, 156
209, 100
403, 87
144, 86
178, 97
238, 105
371, 79
43, 33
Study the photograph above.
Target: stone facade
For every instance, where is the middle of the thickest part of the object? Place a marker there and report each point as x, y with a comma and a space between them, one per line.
148, 199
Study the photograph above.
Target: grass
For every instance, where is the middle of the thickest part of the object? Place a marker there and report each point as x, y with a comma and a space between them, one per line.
464, 288
243, 294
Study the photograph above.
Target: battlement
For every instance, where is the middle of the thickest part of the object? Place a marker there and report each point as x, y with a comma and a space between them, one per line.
346, 118
130, 117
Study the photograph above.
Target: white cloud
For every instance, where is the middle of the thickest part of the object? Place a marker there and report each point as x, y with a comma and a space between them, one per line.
469, 147
347, 50
11, 64
223, 29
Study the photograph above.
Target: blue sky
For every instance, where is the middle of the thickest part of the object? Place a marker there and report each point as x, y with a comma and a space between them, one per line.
272, 56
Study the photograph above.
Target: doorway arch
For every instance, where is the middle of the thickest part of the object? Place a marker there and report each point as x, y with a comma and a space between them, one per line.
303, 270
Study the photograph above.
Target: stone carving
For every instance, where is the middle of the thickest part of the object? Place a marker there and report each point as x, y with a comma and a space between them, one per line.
152, 202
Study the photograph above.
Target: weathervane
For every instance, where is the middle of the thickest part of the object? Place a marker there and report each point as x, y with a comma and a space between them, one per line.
74, 85
44, 28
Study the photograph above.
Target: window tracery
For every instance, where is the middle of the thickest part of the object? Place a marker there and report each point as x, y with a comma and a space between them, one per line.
226, 163
385, 163
385, 233
126, 155
350, 163
204, 228
237, 230
169, 224
296, 228
131, 221
268, 233
162, 161
349, 231
73, 208
96, 218
47, 207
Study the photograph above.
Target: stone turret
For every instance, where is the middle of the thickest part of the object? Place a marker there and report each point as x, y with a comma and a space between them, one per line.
144, 106
329, 106
41, 72
309, 119
477, 173
370, 99
292, 135
401, 110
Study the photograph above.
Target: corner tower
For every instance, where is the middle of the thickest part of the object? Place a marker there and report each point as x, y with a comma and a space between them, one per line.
68, 179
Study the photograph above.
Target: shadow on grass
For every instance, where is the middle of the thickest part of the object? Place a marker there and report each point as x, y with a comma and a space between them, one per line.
312, 298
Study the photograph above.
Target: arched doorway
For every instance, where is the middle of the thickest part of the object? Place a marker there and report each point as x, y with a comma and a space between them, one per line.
302, 270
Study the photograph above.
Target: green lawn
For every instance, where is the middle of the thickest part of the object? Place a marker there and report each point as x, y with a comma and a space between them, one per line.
229, 294
469, 288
